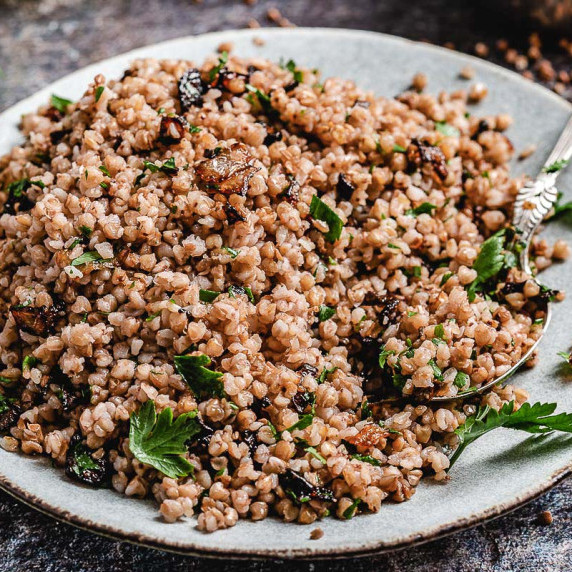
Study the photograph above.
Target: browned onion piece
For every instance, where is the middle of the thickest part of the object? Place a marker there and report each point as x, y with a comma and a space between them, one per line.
420, 153
227, 171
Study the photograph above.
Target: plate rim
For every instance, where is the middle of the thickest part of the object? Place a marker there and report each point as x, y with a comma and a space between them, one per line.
317, 553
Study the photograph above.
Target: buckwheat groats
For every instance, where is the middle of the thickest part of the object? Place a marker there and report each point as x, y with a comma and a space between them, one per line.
236, 287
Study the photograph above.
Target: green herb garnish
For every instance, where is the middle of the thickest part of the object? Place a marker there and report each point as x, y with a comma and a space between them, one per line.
151, 317
556, 166
233, 253
349, 513
319, 210
159, 441
29, 362
208, 295
424, 208
168, 167
104, 170
535, 418
367, 459
399, 149
204, 383
86, 257
291, 67
194, 129
445, 277
439, 331
489, 262
60, 103
222, 60
304, 421
324, 374
325, 313
446, 129
98, 92
461, 379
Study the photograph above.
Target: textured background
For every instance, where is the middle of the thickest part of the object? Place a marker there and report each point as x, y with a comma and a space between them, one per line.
42, 40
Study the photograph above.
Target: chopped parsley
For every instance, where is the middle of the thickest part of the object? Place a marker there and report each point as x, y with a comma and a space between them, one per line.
556, 166
104, 170
86, 257
349, 513
324, 374
383, 355
86, 230
424, 208
325, 313
203, 382
445, 129
565, 356
159, 441
233, 253
461, 379
319, 210
399, 149
291, 67
222, 61
439, 331
29, 362
263, 99
98, 92
194, 129
535, 418
60, 103
168, 167
445, 277
304, 421
5, 403
367, 459
489, 262
151, 317
208, 295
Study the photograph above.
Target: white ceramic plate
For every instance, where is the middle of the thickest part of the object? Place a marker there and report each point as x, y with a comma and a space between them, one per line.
498, 473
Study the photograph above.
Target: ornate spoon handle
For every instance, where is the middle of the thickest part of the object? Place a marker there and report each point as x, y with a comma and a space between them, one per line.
537, 197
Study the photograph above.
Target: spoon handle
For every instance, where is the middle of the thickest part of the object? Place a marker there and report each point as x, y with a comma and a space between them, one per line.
537, 197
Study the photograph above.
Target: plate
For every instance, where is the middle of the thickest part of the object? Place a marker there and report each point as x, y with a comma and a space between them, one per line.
498, 473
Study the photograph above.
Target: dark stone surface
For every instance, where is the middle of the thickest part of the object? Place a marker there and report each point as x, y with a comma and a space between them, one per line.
43, 40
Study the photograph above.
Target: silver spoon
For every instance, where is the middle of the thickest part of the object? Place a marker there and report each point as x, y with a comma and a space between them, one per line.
531, 206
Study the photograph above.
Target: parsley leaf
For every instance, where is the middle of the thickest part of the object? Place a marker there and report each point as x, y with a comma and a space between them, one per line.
383, 355
321, 211
263, 99
349, 513
367, 459
98, 92
439, 331
233, 253
424, 208
461, 379
194, 129
208, 295
168, 167
291, 67
90, 256
325, 313
489, 261
399, 149
204, 383
535, 418
556, 166
60, 103
445, 129
222, 60
159, 441
304, 421
324, 374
